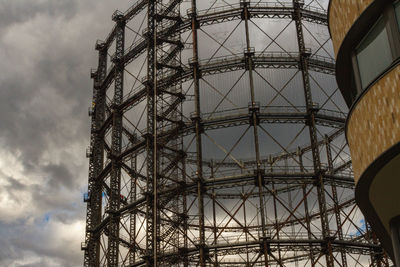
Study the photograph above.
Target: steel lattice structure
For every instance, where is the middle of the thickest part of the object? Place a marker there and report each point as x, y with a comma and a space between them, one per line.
217, 138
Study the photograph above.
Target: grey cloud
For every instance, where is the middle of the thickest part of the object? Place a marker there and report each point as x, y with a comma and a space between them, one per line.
59, 175
18, 11
46, 51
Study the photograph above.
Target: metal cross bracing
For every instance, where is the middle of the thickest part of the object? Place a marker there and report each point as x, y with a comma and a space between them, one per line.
217, 138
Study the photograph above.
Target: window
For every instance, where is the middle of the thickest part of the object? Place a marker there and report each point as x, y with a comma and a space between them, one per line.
397, 11
374, 53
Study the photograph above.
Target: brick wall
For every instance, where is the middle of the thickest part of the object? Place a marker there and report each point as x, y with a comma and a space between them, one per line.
342, 15
374, 125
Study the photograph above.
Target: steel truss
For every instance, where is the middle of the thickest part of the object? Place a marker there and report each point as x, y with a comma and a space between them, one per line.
157, 196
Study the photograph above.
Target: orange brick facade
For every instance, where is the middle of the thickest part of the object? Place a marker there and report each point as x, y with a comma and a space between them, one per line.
345, 11
374, 125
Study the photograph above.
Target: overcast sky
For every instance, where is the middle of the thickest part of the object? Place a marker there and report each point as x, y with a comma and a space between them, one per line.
46, 52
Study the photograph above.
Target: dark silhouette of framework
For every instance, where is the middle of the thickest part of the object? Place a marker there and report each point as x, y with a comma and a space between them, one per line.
155, 199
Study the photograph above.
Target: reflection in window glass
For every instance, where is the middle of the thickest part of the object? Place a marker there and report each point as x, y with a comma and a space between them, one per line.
397, 10
373, 54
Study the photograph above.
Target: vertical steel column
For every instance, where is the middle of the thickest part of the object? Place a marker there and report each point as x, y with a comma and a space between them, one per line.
116, 143
198, 132
254, 122
246, 230
151, 135
132, 219
275, 211
94, 201
306, 211
377, 256
304, 55
214, 216
335, 199
185, 219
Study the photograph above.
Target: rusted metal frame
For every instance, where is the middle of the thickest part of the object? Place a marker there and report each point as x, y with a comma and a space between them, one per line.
256, 259
219, 68
178, 101
132, 170
291, 212
293, 153
297, 17
290, 204
343, 166
259, 12
336, 260
279, 261
128, 243
232, 216
116, 146
134, 76
273, 40
221, 45
335, 200
326, 94
110, 38
137, 34
141, 46
286, 243
321, 46
133, 198
181, 156
330, 97
103, 260
283, 88
214, 217
151, 138
294, 139
338, 153
279, 144
198, 132
306, 211
130, 135
135, 9
185, 212
228, 92
317, 259
218, 92
356, 260
376, 258
173, 227
228, 154
245, 229
275, 211
348, 218
259, 180
93, 215
265, 80
355, 225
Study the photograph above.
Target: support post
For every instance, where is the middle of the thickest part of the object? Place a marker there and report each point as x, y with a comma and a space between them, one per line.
116, 144
151, 137
260, 180
198, 133
93, 216
311, 111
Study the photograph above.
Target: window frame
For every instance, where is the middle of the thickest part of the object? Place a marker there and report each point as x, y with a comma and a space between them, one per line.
392, 26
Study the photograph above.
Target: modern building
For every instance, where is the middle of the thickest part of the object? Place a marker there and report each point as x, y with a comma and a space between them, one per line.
366, 39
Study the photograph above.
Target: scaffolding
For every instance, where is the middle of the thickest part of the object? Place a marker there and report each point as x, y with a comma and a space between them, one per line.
217, 138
